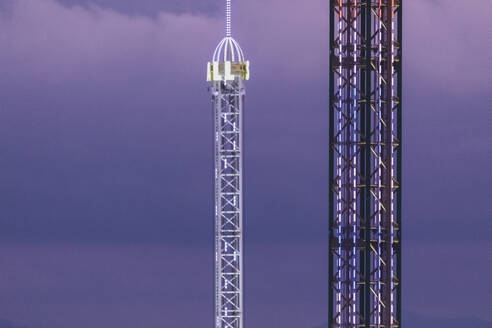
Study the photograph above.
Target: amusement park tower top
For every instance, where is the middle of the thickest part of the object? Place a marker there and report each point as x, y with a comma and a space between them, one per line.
228, 60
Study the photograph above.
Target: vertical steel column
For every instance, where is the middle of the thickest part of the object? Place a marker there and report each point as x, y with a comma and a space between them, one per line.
398, 100
228, 108
347, 119
386, 163
365, 163
366, 126
331, 173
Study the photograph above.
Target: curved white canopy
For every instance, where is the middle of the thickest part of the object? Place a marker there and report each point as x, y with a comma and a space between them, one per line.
228, 50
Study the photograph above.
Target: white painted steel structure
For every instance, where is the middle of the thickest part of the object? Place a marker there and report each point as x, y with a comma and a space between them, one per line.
227, 73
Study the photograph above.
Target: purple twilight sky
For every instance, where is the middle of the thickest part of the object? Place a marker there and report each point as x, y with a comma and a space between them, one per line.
106, 214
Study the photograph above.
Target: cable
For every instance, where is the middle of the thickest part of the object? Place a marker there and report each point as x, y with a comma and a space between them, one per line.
228, 18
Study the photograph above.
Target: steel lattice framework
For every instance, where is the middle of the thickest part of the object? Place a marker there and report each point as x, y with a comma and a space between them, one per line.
228, 107
365, 163
227, 73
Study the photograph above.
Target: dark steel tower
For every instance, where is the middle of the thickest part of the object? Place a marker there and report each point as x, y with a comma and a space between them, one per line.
365, 163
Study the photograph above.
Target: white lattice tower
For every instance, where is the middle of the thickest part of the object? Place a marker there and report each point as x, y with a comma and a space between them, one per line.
227, 72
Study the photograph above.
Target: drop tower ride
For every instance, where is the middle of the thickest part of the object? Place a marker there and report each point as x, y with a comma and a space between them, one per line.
227, 72
365, 163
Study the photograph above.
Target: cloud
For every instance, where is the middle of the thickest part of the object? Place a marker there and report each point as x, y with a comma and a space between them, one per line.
325, 325
51, 42
106, 113
8, 324
446, 45
433, 273
154, 286
150, 8
59, 286
423, 321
